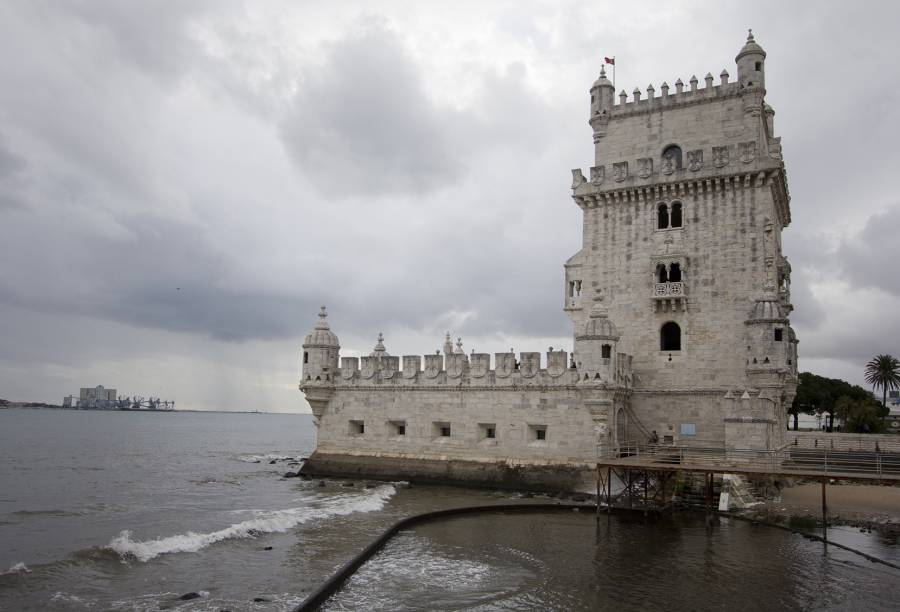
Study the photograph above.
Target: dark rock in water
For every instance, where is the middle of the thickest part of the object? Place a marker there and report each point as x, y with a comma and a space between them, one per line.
291, 474
369, 486
579, 497
302, 458
267, 548
293, 464
261, 600
272, 462
348, 484
528, 495
321, 483
189, 596
257, 461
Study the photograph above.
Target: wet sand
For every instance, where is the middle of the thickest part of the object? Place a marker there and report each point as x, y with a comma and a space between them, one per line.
880, 504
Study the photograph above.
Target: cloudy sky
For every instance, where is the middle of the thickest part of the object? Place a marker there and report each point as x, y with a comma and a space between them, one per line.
183, 183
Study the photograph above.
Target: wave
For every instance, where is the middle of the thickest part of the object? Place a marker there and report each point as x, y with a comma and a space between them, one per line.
268, 457
17, 568
274, 521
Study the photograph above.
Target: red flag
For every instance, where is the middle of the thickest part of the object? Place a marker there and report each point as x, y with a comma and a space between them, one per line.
610, 60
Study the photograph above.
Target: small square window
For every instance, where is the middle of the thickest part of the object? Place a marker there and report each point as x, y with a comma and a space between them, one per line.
357, 428
758, 66
537, 432
487, 431
688, 429
490, 432
398, 428
440, 429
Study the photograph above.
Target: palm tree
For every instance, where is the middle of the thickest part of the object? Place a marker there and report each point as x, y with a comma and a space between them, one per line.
884, 372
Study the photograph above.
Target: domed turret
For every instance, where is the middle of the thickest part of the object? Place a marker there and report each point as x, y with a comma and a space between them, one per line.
767, 309
751, 62
595, 346
320, 352
379, 350
598, 326
769, 344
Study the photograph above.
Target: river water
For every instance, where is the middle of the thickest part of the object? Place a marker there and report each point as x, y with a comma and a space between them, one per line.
129, 511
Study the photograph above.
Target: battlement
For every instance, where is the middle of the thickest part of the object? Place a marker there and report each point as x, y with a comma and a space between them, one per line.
473, 370
680, 97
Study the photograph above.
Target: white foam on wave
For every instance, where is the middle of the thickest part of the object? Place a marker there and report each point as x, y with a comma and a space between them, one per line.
17, 568
268, 521
268, 457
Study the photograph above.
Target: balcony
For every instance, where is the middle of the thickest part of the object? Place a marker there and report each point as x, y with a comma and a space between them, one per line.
669, 297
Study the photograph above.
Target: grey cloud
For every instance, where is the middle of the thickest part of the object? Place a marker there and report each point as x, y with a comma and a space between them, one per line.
362, 124
870, 258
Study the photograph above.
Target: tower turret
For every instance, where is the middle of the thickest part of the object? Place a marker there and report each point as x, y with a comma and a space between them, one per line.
751, 63
602, 98
320, 365
595, 347
320, 353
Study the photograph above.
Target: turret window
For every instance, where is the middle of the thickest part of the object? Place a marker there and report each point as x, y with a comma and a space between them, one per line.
675, 219
670, 337
606, 351
305, 357
662, 276
779, 334
662, 217
675, 273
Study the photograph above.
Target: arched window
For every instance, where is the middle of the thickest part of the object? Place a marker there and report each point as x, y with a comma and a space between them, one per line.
605, 351
675, 273
676, 214
673, 153
662, 216
661, 274
670, 337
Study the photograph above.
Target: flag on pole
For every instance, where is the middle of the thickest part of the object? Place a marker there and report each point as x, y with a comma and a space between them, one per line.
610, 60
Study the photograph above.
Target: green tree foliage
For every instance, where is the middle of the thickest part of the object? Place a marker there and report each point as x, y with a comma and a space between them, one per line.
820, 395
883, 371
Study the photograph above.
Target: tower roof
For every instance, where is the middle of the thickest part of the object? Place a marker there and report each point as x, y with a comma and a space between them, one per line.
321, 335
750, 47
602, 81
766, 309
598, 326
379, 350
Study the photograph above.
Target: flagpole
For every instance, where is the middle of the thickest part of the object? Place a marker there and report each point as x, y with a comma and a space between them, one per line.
614, 71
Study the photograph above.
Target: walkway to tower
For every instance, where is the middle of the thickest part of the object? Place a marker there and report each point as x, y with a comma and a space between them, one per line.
646, 469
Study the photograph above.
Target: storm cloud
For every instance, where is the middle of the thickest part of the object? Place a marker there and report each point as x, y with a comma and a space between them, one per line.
183, 184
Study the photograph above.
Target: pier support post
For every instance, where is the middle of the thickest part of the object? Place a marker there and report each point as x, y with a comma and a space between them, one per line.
824, 513
608, 490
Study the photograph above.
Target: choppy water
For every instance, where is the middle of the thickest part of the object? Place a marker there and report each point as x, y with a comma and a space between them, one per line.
123, 510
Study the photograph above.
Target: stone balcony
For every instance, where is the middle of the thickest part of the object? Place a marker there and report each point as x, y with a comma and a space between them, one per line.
669, 297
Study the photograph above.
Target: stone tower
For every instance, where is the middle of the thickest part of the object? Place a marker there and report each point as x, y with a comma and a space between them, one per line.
682, 218
319, 364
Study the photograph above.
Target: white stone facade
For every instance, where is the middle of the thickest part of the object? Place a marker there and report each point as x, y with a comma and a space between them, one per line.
679, 298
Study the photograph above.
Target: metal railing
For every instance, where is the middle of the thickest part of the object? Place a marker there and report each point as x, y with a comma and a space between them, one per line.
802, 461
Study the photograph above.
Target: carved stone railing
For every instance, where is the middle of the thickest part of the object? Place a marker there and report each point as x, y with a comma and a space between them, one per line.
668, 290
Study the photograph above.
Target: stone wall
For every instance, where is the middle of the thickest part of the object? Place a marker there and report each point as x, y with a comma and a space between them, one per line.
515, 416
843, 441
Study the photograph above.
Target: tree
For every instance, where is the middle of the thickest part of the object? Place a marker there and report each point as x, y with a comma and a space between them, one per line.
820, 395
883, 371
860, 415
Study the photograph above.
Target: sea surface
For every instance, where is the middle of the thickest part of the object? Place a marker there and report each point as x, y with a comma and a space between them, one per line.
130, 511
